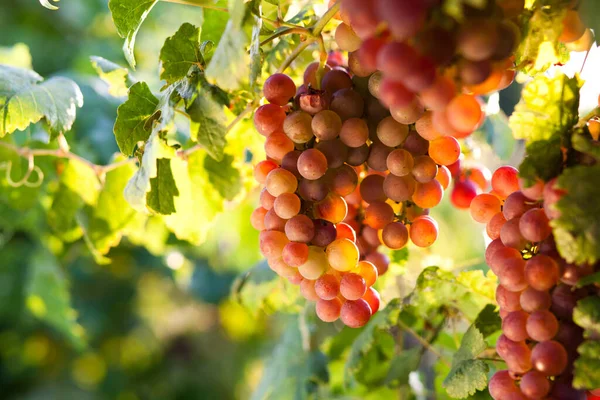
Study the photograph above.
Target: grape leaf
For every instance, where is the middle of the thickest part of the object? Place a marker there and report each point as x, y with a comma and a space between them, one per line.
261, 290
469, 292
198, 202
26, 99
140, 184
62, 215
548, 108
134, 118
488, 321
589, 280
587, 366
467, 374
116, 77
128, 16
162, 189
543, 161
577, 229
208, 123
81, 179
369, 338
112, 214
587, 316
290, 369
229, 65
17, 56
48, 298
180, 52
539, 47
224, 176
402, 365
582, 141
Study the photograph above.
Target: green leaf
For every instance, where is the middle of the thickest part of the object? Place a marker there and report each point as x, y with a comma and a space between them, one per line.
543, 160
467, 374
134, 118
587, 366
198, 202
62, 215
582, 141
369, 338
399, 256
548, 108
229, 66
539, 47
577, 230
208, 125
118, 78
290, 369
112, 214
162, 189
402, 365
48, 297
21, 197
488, 321
262, 290
25, 100
17, 56
224, 176
128, 16
587, 316
81, 179
468, 292
140, 184
180, 52
589, 280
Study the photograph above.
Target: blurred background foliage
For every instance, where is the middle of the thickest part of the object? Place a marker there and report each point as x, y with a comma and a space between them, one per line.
166, 320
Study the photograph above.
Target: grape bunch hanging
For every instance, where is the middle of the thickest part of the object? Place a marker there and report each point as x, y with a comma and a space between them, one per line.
537, 291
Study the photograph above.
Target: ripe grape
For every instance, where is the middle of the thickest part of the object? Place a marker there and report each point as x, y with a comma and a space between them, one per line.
354, 132
278, 145
335, 80
274, 222
315, 265
394, 94
534, 225
378, 156
391, 133
404, 17
357, 68
378, 214
416, 144
464, 113
271, 243
380, 260
262, 169
535, 385
484, 207
424, 169
281, 181
515, 205
437, 96
513, 325
507, 300
463, 193
442, 176
332, 208
310, 74
532, 300
326, 125
368, 271
477, 39
541, 272
327, 287
279, 89
335, 152
511, 274
533, 192
371, 188
346, 38
307, 289
287, 205
505, 181
344, 180
268, 119
474, 72
312, 164
257, 219
572, 27
357, 155
368, 52
395, 235
423, 231
353, 286
347, 103
355, 313
315, 190
510, 234
497, 255
397, 60
342, 254
501, 385
373, 299
295, 254
298, 127
408, 114
542, 325
550, 358
300, 229
425, 128
494, 226
428, 195
324, 233
444, 150
343, 230
328, 310
290, 162
400, 162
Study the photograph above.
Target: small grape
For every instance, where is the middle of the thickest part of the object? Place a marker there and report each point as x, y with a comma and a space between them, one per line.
535, 385
335, 152
424, 169
510, 234
542, 325
428, 195
257, 219
278, 145
315, 265
346, 38
494, 226
307, 289
354, 132
327, 287
324, 233
507, 300
505, 181
444, 150
287, 205
342, 254
355, 313
380, 260
423, 231
534, 225
550, 358
371, 188
513, 325
353, 286
268, 119
274, 222
262, 169
443, 176
541, 272
271, 243
378, 214
295, 254
484, 206
332, 208
300, 229
368, 271
328, 310
400, 162
532, 300
315, 190
395, 235
298, 126
312, 164
391, 133
279, 89
326, 125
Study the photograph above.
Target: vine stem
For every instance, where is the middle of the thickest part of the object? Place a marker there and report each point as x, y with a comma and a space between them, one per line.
27, 152
423, 341
322, 22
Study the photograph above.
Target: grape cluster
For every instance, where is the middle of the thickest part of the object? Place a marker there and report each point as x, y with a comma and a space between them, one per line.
536, 291
342, 177
421, 58
468, 181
